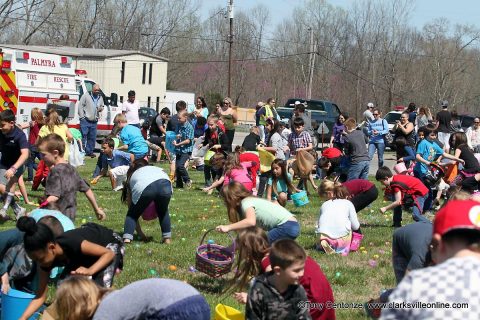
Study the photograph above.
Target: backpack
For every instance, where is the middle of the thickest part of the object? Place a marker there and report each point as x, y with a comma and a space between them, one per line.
408, 199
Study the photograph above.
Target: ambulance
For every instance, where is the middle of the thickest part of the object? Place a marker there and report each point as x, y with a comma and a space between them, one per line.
30, 79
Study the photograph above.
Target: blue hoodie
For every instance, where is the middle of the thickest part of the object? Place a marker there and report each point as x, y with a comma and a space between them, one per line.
381, 125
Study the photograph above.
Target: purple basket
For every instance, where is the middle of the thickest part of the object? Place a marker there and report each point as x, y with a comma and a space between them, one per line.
214, 260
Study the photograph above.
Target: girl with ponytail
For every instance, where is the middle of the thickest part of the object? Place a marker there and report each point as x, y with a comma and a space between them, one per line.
91, 250
337, 219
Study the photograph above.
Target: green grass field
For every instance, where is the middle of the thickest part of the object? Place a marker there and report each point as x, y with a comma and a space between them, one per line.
192, 212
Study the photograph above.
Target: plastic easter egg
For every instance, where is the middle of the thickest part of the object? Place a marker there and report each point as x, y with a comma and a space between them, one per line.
84, 221
372, 263
172, 267
152, 272
338, 274
210, 241
192, 269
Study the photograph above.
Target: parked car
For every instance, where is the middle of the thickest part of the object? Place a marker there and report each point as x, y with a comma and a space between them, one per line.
392, 117
319, 110
145, 113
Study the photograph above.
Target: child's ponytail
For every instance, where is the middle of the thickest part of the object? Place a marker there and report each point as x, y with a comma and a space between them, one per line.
37, 235
339, 191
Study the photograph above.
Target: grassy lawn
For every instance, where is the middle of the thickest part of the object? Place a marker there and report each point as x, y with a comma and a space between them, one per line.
192, 212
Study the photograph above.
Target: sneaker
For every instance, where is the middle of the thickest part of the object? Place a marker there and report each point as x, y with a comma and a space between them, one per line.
118, 188
326, 246
372, 313
19, 212
188, 184
3, 215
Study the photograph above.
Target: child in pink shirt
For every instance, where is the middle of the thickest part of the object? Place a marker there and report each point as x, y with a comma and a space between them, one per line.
235, 171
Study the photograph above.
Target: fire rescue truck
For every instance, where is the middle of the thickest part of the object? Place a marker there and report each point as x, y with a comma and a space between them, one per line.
30, 79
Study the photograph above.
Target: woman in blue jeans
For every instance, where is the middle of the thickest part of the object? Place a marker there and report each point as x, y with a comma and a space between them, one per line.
245, 210
146, 184
377, 129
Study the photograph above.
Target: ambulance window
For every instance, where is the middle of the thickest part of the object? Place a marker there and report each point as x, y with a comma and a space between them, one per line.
89, 85
79, 88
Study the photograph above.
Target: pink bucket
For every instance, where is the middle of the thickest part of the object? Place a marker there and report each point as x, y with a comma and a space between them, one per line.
150, 212
356, 240
400, 168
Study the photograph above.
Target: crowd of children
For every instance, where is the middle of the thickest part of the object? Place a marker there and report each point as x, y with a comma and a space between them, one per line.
282, 281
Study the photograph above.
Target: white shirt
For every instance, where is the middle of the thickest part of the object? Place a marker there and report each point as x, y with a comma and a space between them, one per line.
131, 112
337, 218
473, 136
368, 115
456, 280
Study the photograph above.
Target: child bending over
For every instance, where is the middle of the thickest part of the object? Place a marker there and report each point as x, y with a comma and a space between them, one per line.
234, 171
14, 149
63, 182
91, 250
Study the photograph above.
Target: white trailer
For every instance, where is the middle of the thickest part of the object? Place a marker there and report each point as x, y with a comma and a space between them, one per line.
171, 98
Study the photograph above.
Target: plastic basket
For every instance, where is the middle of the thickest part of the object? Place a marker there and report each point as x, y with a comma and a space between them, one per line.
169, 138
300, 198
214, 260
223, 312
150, 213
208, 155
400, 168
14, 303
356, 240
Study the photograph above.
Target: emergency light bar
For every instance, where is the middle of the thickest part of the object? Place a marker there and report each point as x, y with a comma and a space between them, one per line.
66, 60
6, 61
79, 72
22, 55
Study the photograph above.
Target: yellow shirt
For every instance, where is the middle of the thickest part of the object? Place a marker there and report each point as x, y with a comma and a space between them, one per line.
61, 130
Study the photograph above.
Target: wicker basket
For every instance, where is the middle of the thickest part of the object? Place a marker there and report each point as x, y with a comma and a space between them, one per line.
213, 259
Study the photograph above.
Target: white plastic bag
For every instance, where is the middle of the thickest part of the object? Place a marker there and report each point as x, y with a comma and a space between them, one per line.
76, 157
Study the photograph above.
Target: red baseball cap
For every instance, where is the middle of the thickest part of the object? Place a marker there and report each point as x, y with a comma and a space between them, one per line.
457, 214
331, 153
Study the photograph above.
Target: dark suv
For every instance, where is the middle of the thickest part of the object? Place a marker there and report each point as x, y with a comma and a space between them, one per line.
319, 110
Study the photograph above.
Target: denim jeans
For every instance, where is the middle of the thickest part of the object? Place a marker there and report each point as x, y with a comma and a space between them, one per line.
160, 192
416, 212
89, 135
380, 146
180, 170
263, 183
211, 174
287, 230
430, 196
358, 170
31, 165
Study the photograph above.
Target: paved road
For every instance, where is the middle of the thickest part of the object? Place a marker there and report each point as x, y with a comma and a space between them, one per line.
389, 157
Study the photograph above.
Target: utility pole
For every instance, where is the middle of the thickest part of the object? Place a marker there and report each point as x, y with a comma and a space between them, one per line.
313, 49
230, 42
